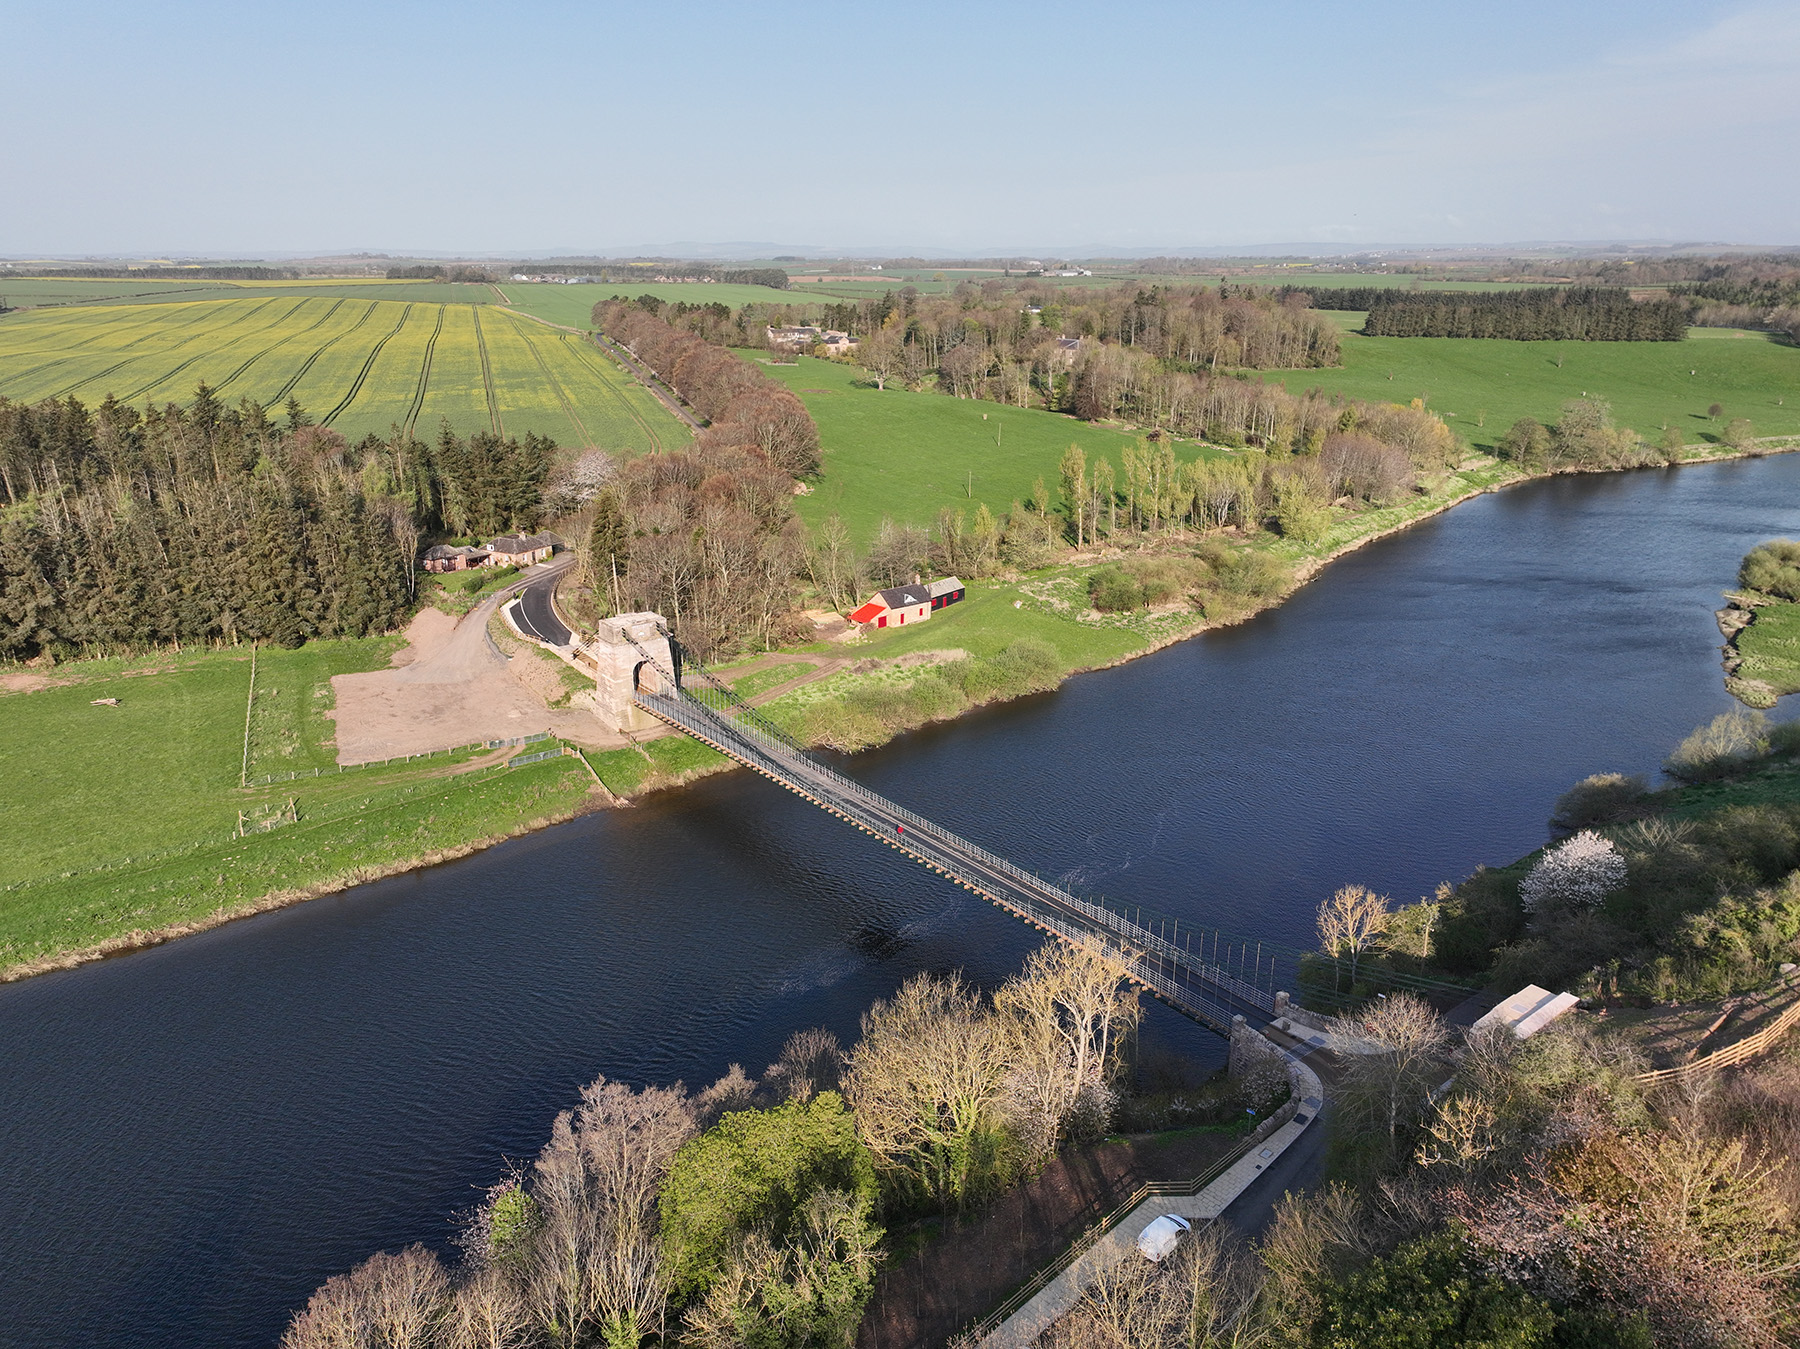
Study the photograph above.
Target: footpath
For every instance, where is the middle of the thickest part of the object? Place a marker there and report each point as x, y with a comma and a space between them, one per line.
1279, 1135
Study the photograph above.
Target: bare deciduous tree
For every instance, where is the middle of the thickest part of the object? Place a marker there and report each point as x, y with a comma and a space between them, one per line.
1411, 1042
1063, 1019
1350, 921
397, 1300
598, 1262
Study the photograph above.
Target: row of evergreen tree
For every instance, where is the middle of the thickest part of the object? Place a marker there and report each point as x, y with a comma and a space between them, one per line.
124, 529
1537, 314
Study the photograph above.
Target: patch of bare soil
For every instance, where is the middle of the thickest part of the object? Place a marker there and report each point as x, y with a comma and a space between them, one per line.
425, 637
30, 683
968, 1269
457, 689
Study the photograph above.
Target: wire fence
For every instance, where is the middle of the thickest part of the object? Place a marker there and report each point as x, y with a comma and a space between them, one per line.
271, 778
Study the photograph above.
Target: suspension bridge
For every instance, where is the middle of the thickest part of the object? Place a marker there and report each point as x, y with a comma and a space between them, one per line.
1199, 971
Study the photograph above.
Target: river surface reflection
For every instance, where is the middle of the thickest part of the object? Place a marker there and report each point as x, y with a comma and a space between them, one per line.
194, 1136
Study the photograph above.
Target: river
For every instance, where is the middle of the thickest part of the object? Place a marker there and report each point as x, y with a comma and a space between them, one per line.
195, 1135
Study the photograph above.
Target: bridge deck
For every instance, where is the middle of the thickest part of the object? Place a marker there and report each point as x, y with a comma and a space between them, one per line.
1178, 975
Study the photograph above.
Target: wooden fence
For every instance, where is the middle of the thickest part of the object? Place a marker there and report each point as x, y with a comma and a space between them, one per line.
1732, 1055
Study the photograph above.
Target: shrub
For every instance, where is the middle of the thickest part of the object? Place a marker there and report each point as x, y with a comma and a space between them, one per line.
1577, 874
754, 1171
1603, 798
1425, 1295
1772, 568
1113, 590
1721, 747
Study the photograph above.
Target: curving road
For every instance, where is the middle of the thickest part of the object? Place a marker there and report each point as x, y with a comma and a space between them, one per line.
535, 613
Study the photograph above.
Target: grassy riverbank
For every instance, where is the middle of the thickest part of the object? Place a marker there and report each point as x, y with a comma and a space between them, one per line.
123, 822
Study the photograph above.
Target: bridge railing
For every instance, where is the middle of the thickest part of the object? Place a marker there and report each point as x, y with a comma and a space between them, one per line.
1144, 953
747, 733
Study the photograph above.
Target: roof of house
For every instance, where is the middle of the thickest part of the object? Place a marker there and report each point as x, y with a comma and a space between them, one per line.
521, 543
451, 550
945, 586
869, 612
898, 597
1067, 343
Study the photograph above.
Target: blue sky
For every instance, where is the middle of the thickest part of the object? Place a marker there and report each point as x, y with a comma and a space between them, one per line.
248, 127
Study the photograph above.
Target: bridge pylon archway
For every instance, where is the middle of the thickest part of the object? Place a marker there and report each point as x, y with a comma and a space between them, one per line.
630, 654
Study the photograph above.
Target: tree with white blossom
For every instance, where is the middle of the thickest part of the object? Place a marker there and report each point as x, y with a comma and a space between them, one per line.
1579, 873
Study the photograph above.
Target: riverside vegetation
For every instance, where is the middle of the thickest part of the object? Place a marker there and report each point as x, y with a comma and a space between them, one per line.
1763, 624
161, 532
757, 1212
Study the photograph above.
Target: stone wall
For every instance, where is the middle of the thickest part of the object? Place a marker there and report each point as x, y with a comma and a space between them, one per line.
1257, 1064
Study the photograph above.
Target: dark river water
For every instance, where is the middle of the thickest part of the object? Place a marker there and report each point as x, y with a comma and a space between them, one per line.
192, 1137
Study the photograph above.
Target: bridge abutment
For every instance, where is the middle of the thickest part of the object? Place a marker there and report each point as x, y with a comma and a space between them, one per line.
621, 668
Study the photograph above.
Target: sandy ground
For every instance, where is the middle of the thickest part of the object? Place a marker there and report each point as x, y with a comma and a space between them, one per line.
29, 683
451, 686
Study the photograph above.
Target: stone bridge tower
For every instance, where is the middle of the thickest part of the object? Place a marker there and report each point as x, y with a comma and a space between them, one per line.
620, 669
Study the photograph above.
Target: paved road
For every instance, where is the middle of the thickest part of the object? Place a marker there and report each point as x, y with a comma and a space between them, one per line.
536, 615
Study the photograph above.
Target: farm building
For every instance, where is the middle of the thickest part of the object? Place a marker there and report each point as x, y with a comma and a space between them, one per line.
913, 603
443, 557
515, 550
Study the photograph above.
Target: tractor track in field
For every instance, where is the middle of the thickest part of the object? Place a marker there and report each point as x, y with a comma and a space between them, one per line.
557, 389
224, 383
418, 402
592, 357
367, 365
487, 372
150, 329
200, 355
300, 374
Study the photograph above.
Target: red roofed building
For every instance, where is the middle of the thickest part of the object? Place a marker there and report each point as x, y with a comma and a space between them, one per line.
899, 605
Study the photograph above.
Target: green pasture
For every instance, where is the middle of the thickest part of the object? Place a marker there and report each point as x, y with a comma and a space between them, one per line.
358, 362
906, 455
1481, 386
1770, 648
126, 817
573, 306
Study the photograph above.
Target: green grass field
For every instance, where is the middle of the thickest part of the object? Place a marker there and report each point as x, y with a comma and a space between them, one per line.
356, 360
123, 818
1481, 386
906, 455
1770, 647
573, 306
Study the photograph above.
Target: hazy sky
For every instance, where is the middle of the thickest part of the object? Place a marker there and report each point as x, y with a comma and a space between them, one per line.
169, 125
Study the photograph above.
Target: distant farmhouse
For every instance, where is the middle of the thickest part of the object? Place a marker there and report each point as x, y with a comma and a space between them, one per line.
804, 337
899, 605
509, 550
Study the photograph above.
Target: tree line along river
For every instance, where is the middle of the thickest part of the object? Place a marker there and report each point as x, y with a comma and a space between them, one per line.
196, 1135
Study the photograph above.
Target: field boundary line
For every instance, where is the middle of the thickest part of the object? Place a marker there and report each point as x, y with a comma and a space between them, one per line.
487, 373
1732, 1055
367, 365
300, 374
418, 403
249, 707
557, 389
595, 359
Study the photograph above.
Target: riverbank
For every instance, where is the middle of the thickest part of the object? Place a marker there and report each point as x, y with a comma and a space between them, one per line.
851, 711
68, 900
164, 795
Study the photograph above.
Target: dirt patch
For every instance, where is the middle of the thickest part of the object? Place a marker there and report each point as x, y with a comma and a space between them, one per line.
457, 689
967, 1270
426, 635
30, 683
